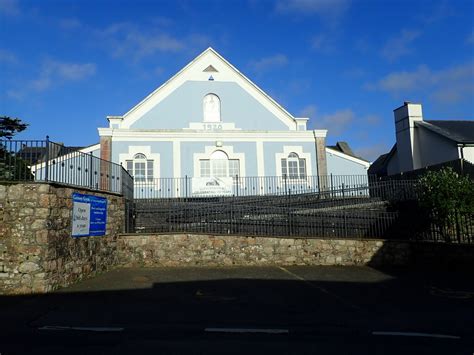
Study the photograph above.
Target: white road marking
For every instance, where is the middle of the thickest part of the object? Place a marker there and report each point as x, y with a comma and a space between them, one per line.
90, 329
247, 330
414, 334
322, 289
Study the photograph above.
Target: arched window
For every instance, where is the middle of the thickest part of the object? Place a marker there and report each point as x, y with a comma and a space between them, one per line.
219, 165
140, 167
211, 106
293, 167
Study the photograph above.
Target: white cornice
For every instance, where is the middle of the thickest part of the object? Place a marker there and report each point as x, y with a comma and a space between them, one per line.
189, 135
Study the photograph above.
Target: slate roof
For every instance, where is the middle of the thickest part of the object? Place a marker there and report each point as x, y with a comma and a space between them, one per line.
458, 131
379, 166
343, 147
37, 154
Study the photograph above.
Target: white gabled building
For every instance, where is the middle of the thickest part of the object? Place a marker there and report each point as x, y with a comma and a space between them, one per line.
210, 121
422, 143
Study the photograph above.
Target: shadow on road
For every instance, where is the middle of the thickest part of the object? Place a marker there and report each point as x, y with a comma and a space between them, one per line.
192, 310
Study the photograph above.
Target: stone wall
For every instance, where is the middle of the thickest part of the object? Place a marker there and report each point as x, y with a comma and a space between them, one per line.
37, 252
193, 249
209, 250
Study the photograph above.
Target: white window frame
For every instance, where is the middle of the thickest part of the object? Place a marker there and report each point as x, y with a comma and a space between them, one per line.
301, 154
141, 158
145, 150
209, 150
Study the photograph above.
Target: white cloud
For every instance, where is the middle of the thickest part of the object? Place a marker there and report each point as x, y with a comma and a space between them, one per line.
7, 57
327, 9
448, 85
399, 46
126, 40
9, 7
337, 122
269, 63
54, 73
403, 81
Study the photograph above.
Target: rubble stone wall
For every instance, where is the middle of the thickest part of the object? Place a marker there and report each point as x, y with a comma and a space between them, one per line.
37, 252
224, 250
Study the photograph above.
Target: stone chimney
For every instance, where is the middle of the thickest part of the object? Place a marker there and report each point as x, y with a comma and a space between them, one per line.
407, 140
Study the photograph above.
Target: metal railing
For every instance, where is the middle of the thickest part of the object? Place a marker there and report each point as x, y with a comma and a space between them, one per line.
383, 209
46, 161
187, 187
347, 212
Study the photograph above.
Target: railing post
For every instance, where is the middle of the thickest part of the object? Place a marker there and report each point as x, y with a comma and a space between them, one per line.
91, 173
237, 189
46, 171
186, 186
332, 187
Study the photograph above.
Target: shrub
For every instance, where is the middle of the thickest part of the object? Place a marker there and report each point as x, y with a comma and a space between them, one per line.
446, 195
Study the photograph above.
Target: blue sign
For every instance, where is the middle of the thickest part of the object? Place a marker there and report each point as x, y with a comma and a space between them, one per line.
89, 215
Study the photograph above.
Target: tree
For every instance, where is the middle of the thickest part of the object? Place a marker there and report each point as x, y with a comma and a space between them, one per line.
448, 198
12, 166
10, 126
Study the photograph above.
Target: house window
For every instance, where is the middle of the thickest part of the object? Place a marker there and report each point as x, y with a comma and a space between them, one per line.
140, 168
211, 106
219, 165
293, 167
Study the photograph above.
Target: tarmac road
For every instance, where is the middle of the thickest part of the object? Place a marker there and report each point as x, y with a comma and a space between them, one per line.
238, 310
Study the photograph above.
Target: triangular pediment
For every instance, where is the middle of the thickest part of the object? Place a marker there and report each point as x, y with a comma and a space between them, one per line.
210, 60
210, 69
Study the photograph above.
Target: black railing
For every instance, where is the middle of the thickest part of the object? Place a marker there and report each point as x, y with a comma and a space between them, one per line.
46, 161
383, 209
187, 187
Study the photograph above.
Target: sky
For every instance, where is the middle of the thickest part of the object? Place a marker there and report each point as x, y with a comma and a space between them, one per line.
346, 64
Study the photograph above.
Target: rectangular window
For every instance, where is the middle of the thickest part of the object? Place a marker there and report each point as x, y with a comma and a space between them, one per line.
149, 170
302, 168
129, 165
234, 167
219, 168
293, 169
205, 168
284, 171
139, 171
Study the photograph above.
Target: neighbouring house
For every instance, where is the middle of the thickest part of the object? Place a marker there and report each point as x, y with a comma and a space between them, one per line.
423, 143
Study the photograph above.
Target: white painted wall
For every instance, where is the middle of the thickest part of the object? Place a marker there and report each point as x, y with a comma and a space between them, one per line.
433, 148
469, 154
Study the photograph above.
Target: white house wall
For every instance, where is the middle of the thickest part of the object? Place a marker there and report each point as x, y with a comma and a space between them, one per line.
468, 153
169, 158
433, 148
338, 165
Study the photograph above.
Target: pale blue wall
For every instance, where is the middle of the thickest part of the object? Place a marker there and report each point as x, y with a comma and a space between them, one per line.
271, 148
165, 149
340, 166
184, 105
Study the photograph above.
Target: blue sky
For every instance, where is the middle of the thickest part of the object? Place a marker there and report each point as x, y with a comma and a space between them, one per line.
66, 65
